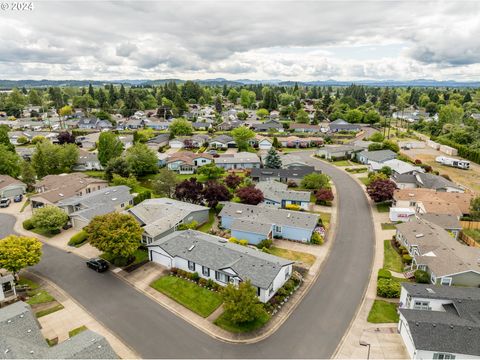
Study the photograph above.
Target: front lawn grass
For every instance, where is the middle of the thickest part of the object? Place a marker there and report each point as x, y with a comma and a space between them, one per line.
208, 225
27, 282
225, 323
77, 331
383, 312
49, 310
391, 258
364, 180
388, 226
95, 173
383, 207
342, 163
39, 297
43, 232
198, 299
308, 259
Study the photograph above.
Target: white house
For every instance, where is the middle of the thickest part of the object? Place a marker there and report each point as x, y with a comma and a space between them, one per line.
240, 160
7, 287
213, 257
440, 322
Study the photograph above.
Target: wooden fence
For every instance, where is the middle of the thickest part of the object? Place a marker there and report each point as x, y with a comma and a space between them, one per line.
470, 224
468, 240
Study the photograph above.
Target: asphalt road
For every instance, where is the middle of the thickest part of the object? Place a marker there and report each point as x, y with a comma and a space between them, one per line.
313, 330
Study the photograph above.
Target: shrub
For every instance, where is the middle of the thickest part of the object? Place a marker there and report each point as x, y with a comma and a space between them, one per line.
384, 274
173, 271
55, 231
233, 240
407, 259
292, 207
243, 242
388, 288
266, 243
422, 277
316, 239
78, 238
202, 282
147, 194
418, 161
194, 276
28, 224
210, 283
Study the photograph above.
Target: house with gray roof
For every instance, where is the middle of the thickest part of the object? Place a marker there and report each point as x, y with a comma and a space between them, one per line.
435, 251
87, 160
21, 338
270, 125
417, 179
293, 174
333, 153
222, 142
342, 125
82, 209
10, 187
161, 216
379, 156
256, 223
219, 260
240, 160
448, 222
440, 322
278, 195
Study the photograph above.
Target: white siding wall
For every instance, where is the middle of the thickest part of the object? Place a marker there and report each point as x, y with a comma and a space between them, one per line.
422, 354
406, 336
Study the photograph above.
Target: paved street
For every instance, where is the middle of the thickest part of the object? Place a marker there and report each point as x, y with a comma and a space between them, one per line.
313, 331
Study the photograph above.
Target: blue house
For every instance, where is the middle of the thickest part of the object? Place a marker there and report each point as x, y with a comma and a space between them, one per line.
256, 223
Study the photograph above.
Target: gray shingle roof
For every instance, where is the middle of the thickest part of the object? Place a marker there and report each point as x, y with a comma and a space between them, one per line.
442, 292
21, 338
294, 172
267, 215
217, 254
445, 221
276, 191
379, 155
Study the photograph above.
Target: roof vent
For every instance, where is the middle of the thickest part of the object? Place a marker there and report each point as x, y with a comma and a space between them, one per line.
419, 235
114, 199
430, 290
238, 211
191, 247
288, 215
61, 194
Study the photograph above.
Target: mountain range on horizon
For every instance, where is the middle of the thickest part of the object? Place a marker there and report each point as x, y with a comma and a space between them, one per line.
9, 84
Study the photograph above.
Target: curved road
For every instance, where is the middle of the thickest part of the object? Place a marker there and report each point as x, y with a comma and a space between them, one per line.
313, 330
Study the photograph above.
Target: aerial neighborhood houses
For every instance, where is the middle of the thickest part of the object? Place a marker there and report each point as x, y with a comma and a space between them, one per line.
292, 174
187, 162
277, 194
240, 160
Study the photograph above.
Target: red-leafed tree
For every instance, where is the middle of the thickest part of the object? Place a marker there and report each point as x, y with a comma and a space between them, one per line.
65, 138
250, 195
233, 181
190, 191
324, 196
381, 190
214, 192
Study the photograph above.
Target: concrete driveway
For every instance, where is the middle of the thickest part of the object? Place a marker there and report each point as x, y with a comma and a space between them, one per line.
314, 329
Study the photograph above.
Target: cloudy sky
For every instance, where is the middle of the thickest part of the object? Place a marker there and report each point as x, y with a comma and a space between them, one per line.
301, 40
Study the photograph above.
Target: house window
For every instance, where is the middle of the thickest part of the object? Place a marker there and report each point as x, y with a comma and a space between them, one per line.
191, 266
122, 205
287, 273
412, 203
88, 190
258, 291
421, 305
205, 271
443, 356
221, 277
278, 229
447, 281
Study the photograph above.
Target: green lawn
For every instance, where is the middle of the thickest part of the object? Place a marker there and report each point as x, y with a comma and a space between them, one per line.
325, 219
224, 322
388, 226
39, 297
364, 180
383, 207
473, 233
43, 232
383, 312
49, 310
33, 285
308, 259
198, 299
342, 163
208, 225
95, 174
391, 259
77, 331
25, 204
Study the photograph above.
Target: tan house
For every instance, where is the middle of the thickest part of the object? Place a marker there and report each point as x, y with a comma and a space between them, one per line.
54, 188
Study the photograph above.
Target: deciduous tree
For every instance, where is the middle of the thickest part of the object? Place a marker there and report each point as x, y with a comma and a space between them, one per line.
180, 127
241, 303
315, 181
381, 190
165, 182
9, 162
215, 192
242, 135
19, 252
232, 181
50, 218
250, 195
211, 171
190, 191
142, 160
109, 147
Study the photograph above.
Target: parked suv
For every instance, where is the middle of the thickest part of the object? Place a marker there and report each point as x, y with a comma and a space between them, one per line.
99, 265
5, 202
18, 198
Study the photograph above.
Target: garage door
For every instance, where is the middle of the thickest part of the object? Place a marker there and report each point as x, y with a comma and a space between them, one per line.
11, 192
160, 259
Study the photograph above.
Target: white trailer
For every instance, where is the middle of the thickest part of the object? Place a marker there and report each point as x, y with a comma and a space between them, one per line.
461, 164
401, 214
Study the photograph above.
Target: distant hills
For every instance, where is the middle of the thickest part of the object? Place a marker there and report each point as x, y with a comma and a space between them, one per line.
9, 84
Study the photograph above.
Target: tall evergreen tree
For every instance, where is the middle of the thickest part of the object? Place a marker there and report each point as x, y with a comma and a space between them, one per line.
273, 161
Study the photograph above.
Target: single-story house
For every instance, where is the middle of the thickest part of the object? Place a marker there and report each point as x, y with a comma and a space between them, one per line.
222, 142
447, 222
88, 123
268, 126
439, 322
87, 161
82, 209
305, 128
277, 194
216, 259
256, 223
11, 187
240, 160
161, 216
158, 141
201, 125
291, 174
435, 251
292, 160
338, 152
416, 179
157, 124
176, 143
135, 123
379, 156
398, 167
21, 338
264, 143
88, 141
186, 162
342, 125
54, 188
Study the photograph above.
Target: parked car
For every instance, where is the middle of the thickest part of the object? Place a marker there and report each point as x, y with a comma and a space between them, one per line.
18, 198
99, 265
67, 226
5, 203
